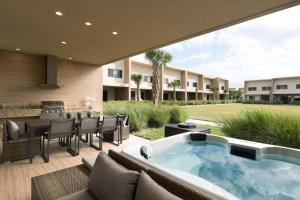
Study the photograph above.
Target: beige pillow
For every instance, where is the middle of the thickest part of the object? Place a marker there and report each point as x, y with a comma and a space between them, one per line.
13, 130
148, 189
111, 181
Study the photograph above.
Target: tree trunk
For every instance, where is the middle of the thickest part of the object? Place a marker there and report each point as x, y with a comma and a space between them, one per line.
155, 85
196, 93
174, 93
138, 91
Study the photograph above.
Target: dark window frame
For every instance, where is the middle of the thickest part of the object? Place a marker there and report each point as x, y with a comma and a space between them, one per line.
147, 79
252, 88
115, 73
166, 81
266, 88
282, 87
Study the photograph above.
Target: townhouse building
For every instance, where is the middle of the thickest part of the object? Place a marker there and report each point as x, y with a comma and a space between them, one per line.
284, 89
117, 83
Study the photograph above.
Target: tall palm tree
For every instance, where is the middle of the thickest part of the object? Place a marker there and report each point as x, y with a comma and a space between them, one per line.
174, 84
159, 59
137, 78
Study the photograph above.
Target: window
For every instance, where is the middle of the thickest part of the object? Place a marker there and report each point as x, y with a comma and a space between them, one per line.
166, 81
116, 73
147, 79
251, 88
281, 87
187, 83
208, 87
297, 86
222, 88
265, 88
194, 84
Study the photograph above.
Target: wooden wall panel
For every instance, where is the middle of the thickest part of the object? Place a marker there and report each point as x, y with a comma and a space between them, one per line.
21, 76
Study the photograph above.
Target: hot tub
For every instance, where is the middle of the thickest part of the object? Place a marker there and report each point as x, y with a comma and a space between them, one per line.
227, 168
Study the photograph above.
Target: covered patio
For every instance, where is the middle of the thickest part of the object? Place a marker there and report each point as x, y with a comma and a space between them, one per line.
19, 173
54, 50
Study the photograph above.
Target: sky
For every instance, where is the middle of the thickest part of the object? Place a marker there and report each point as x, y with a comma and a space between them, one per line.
261, 48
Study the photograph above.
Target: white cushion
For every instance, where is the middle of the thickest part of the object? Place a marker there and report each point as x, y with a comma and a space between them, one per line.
89, 161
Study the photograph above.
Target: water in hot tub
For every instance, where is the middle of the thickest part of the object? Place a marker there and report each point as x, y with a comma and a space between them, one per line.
264, 179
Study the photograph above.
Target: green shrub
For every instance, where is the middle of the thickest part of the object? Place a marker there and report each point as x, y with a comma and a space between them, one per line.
157, 117
177, 115
264, 126
144, 114
134, 123
198, 102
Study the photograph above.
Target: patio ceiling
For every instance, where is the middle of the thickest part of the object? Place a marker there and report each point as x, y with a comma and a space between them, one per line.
33, 26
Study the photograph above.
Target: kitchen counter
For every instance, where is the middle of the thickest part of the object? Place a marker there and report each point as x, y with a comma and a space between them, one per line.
17, 113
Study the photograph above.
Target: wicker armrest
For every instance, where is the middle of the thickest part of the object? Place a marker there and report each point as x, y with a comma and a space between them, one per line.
60, 183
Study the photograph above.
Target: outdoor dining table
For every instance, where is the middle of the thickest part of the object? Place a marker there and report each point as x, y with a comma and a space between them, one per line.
39, 126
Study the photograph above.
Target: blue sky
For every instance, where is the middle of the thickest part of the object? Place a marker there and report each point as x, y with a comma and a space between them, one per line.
265, 47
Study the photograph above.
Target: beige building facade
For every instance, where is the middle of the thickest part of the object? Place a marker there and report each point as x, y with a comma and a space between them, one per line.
283, 89
117, 83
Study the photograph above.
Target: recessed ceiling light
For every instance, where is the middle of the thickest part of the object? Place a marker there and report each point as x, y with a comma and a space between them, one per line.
70, 58
115, 33
18, 49
88, 23
63, 42
58, 13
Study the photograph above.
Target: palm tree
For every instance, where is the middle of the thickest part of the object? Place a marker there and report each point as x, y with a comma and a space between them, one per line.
137, 78
214, 90
159, 59
174, 84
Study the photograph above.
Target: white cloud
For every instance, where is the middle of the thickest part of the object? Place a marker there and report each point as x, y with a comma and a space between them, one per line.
201, 56
174, 47
201, 41
140, 58
262, 48
265, 47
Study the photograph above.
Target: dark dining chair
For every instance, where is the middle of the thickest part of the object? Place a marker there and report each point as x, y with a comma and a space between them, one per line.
108, 125
86, 126
59, 128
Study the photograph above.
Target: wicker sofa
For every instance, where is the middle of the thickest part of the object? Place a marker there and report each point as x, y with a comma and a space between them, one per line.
17, 149
68, 181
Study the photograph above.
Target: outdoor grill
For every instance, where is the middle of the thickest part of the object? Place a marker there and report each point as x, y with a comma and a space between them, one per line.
52, 109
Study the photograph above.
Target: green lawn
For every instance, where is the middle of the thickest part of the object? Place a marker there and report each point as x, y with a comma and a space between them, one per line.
157, 133
217, 112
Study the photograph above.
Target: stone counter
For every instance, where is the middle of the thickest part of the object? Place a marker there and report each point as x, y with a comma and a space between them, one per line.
16, 113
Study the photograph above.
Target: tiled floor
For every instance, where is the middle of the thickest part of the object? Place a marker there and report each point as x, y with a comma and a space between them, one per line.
15, 177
